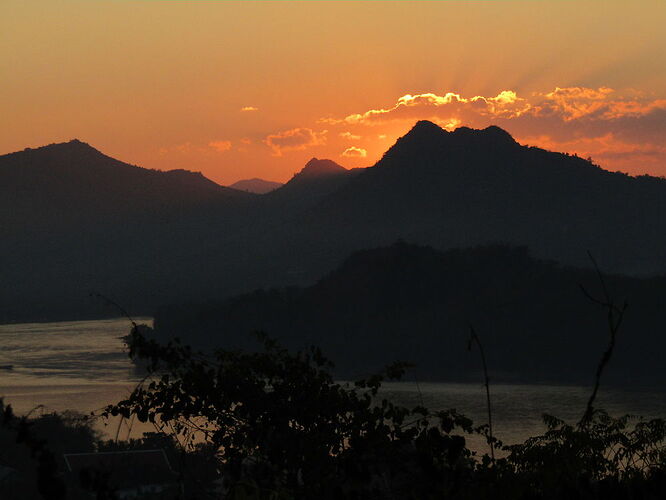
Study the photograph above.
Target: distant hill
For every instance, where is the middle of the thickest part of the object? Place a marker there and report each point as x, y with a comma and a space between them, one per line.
415, 304
317, 169
70, 182
73, 220
308, 187
255, 185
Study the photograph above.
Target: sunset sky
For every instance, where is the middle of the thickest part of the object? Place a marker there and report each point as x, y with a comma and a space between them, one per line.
255, 89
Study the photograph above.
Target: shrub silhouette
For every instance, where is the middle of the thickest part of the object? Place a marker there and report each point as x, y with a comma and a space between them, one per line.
281, 427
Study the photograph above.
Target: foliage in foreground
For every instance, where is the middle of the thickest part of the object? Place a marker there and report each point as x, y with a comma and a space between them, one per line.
279, 426
31, 452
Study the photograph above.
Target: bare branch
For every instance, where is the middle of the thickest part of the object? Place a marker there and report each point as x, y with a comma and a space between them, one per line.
473, 337
615, 315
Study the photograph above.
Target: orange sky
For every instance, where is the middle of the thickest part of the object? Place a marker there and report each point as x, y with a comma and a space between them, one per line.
254, 89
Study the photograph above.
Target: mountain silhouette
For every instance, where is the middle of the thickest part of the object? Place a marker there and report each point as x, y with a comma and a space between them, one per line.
74, 220
316, 168
255, 185
416, 304
309, 186
466, 187
65, 183
75, 162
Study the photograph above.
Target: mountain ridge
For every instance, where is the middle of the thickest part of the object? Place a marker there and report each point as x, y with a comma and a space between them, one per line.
149, 243
60, 155
482, 186
72, 165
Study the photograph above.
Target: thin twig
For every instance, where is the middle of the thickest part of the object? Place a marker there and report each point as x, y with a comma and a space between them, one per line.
115, 304
614, 315
473, 337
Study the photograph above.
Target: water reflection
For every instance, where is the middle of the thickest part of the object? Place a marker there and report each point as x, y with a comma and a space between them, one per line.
83, 366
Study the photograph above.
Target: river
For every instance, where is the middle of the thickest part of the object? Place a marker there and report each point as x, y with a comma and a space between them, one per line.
83, 366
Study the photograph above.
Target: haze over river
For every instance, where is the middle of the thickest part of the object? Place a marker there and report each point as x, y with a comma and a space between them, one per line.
83, 366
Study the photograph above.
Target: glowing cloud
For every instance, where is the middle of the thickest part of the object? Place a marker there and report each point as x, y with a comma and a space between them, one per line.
220, 146
569, 103
573, 103
576, 102
354, 152
620, 129
295, 139
607, 148
249, 108
506, 104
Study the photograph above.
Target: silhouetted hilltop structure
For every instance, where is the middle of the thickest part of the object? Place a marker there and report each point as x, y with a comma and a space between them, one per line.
75, 220
414, 303
256, 185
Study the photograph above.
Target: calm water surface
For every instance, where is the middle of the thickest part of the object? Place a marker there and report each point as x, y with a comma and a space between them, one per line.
83, 366
80, 366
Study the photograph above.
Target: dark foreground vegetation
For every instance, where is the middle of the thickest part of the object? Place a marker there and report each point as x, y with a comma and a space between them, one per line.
274, 424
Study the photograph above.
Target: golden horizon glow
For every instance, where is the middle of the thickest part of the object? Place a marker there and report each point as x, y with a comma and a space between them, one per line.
250, 89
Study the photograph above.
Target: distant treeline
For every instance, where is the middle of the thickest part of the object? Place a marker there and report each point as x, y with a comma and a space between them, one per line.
416, 304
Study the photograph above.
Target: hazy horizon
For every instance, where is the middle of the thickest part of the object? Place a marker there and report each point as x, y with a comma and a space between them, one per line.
241, 90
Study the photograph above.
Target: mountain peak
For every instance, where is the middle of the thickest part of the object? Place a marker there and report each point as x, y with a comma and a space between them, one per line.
426, 126
71, 144
318, 168
492, 134
56, 154
316, 178
424, 130
427, 138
